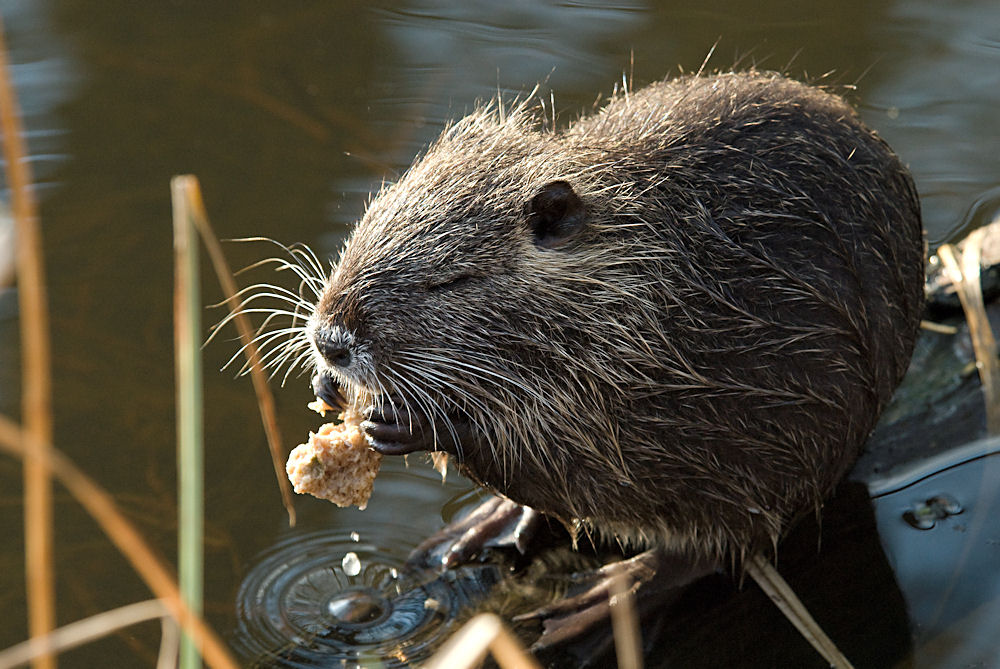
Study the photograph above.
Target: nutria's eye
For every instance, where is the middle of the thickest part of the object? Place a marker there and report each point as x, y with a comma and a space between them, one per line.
449, 283
556, 214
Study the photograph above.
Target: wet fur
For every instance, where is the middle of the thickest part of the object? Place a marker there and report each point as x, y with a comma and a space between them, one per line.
696, 368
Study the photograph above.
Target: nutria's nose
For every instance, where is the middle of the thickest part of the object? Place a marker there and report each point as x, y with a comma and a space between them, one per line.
334, 344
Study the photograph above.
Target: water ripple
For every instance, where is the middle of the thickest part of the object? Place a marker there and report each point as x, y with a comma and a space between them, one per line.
299, 606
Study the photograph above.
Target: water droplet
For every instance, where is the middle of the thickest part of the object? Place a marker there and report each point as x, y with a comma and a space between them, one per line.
351, 564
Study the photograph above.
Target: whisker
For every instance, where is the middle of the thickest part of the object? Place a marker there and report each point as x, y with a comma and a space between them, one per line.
429, 407
281, 339
303, 362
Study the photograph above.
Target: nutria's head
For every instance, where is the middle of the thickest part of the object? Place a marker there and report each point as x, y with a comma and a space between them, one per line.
438, 255
475, 289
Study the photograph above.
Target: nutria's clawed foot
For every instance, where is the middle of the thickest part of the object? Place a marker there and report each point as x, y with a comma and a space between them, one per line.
654, 578
496, 523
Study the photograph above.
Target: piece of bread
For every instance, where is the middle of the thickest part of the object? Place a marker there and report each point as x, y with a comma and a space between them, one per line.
336, 463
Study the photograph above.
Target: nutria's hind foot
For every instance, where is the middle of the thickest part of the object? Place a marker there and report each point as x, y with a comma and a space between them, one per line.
496, 523
654, 578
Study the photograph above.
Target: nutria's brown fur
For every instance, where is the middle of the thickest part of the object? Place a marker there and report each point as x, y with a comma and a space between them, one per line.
675, 321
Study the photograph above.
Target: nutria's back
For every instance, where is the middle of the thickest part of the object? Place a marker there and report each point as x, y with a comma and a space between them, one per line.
676, 321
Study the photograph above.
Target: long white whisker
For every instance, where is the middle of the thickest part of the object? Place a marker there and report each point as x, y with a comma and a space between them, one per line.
429, 407
303, 362
286, 346
264, 357
309, 262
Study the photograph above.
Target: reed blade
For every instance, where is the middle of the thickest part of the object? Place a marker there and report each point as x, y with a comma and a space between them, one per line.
190, 423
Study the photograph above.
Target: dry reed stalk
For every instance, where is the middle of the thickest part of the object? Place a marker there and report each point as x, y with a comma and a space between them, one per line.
483, 634
36, 379
778, 590
170, 644
83, 631
625, 622
265, 400
7, 265
125, 537
963, 270
939, 328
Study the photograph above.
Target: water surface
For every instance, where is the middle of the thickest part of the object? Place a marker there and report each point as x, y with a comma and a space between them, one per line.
290, 115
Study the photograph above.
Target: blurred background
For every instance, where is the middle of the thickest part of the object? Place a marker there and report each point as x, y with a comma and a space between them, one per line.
291, 114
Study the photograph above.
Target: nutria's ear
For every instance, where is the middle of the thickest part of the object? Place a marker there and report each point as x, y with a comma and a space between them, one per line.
556, 214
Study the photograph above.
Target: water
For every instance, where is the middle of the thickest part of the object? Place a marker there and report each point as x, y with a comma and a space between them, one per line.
290, 116
297, 606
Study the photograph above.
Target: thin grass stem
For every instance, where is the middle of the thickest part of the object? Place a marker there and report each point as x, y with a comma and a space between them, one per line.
483, 634
963, 270
36, 374
123, 535
625, 622
779, 592
170, 644
83, 631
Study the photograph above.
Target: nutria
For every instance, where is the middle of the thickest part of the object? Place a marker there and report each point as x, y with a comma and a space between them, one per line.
673, 323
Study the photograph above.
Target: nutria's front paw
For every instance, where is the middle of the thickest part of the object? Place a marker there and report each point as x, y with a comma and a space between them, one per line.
654, 577
393, 429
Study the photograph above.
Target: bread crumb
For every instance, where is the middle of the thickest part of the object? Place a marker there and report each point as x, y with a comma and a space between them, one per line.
336, 464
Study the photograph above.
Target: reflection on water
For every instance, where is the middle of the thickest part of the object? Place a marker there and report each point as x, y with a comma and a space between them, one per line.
938, 121
44, 74
521, 42
291, 115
